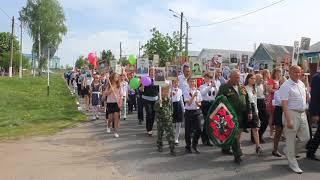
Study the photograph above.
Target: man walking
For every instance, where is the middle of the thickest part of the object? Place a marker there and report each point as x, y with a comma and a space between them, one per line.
238, 98
315, 113
293, 99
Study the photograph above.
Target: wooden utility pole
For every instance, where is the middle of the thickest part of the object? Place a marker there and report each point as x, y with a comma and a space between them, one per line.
20, 64
181, 24
120, 50
11, 55
187, 38
139, 48
39, 48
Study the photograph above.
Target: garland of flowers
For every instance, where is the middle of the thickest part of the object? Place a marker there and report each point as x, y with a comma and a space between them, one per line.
211, 130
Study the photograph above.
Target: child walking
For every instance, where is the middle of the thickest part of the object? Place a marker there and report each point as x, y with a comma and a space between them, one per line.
163, 114
192, 98
114, 103
95, 90
177, 103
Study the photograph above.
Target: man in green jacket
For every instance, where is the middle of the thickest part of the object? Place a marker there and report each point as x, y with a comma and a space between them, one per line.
238, 98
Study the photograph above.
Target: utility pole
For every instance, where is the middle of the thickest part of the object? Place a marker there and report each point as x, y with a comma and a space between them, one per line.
48, 66
181, 24
139, 49
11, 55
187, 38
20, 65
120, 50
39, 49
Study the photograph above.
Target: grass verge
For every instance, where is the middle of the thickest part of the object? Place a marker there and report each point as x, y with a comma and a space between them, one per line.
26, 110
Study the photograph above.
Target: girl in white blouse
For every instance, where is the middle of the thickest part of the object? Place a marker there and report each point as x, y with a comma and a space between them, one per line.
254, 124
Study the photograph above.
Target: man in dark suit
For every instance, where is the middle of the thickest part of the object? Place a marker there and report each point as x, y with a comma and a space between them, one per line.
314, 108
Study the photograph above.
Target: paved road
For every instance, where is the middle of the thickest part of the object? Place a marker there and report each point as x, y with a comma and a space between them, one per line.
87, 152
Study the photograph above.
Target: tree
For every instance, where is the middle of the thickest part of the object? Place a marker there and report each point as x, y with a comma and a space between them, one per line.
44, 17
81, 62
124, 61
5, 51
165, 46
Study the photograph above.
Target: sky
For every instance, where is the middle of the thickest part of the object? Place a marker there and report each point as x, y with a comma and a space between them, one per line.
94, 25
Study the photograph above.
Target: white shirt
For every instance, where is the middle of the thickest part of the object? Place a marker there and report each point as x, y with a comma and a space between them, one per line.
260, 91
252, 97
176, 94
236, 88
125, 88
295, 94
207, 93
217, 83
277, 99
183, 83
187, 96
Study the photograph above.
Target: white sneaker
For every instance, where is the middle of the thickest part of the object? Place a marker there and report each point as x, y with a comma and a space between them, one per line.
94, 118
108, 130
116, 135
150, 133
295, 169
176, 141
97, 116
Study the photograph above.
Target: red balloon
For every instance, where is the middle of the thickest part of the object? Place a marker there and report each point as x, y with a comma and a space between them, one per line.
92, 58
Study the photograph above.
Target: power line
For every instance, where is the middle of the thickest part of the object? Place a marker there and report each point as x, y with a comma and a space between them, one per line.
4, 12
242, 15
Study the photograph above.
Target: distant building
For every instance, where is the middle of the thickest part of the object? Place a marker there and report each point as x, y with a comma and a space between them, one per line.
193, 55
268, 56
312, 56
55, 61
229, 57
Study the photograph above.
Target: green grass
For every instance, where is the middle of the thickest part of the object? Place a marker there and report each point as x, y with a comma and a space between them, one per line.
26, 110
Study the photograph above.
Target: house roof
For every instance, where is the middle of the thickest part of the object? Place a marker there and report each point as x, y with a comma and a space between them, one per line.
193, 53
313, 48
210, 53
277, 51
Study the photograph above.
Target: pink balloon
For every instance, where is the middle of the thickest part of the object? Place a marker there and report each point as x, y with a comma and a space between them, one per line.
145, 80
92, 57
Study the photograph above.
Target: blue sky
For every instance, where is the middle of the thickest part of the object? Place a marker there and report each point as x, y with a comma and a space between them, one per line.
94, 25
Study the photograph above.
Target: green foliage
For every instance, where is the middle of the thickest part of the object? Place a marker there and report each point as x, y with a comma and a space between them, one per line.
165, 46
107, 56
5, 52
81, 62
27, 110
44, 17
124, 61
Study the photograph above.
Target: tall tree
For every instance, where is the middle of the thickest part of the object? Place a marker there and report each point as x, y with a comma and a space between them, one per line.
81, 62
5, 46
44, 17
164, 45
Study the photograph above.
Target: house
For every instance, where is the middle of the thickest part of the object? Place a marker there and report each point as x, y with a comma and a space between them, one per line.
268, 56
193, 55
312, 56
229, 57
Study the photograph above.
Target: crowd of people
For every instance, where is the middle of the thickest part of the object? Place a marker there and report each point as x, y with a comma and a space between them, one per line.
287, 105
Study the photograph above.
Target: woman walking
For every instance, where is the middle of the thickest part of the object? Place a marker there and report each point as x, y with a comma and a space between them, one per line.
114, 94
254, 123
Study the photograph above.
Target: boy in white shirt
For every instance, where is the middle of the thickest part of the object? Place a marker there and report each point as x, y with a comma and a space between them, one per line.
192, 99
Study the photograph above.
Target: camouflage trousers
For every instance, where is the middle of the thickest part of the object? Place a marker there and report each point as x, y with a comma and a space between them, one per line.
167, 128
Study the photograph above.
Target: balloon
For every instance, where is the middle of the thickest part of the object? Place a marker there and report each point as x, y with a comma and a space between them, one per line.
132, 59
146, 81
135, 83
92, 58
199, 81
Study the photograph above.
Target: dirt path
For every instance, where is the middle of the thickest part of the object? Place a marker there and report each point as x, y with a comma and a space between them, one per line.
75, 154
